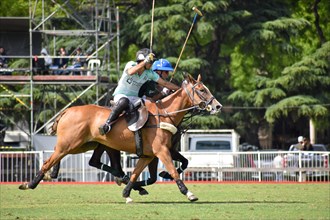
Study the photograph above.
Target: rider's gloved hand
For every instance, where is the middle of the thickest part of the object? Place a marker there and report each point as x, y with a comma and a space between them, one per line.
150, 58
166, 91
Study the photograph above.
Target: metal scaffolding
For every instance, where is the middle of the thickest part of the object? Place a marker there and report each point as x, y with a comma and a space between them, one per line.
97, 26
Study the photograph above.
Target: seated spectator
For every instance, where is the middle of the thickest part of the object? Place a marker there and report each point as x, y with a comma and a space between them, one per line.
299, 145
42, 64
77, 64
3, 129
63, 62
47, 58
3, 60
307, 145
60, 63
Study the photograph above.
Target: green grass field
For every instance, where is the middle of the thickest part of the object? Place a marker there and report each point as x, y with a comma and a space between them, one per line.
216, 201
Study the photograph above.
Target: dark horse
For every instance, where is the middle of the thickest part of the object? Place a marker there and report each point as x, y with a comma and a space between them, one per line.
116, 170
77, 128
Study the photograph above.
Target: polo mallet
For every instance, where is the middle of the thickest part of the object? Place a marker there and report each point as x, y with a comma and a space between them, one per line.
184, 45
152, 24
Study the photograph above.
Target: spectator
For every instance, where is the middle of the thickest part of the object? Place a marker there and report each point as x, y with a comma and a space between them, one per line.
60, 63
3, 129
3, 60
299, 145
307, 146
42, 64
78, 62
47, 58
278, 164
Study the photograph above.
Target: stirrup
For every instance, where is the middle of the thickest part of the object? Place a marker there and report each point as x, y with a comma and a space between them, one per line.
103, 129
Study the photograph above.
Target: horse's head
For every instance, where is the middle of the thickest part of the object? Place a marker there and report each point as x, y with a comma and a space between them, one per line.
200, 95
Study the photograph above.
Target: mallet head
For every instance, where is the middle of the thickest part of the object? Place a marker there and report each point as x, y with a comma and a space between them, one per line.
197, 11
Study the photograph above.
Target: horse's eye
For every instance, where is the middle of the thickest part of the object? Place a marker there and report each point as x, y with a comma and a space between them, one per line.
202, 90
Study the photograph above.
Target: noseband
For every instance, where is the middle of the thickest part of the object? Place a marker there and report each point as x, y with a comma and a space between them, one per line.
204, 104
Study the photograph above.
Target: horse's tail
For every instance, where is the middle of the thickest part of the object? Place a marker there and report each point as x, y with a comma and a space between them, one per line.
52, 130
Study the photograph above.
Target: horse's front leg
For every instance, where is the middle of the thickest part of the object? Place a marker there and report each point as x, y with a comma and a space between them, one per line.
177, 157
166, 158
141, 164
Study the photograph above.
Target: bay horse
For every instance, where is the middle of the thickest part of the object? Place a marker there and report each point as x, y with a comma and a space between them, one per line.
77, 127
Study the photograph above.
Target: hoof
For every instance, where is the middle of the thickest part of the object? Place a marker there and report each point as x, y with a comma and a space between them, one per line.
129, 200
24, 186
143, 192
191, 197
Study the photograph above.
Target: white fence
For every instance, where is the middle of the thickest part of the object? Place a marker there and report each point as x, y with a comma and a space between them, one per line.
242, 166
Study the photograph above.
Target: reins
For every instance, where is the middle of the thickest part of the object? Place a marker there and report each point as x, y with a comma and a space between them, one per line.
191, 97
203, 105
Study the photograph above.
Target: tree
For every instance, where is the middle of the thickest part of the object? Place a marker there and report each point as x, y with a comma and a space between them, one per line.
287, 89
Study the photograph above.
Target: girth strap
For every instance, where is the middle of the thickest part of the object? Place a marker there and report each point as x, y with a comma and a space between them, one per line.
138, 142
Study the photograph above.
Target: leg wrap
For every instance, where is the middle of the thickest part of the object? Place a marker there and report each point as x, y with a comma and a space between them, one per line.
183, 189
36, 180
127, 189
55, 171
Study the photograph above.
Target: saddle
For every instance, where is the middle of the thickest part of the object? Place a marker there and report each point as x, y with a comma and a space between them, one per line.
136, 116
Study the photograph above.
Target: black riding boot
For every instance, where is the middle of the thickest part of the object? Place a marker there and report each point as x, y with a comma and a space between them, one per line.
120, 106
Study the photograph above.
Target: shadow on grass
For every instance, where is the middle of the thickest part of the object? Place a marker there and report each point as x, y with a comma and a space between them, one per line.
223, 202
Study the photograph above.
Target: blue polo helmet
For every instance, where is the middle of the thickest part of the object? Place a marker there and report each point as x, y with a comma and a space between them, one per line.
163, 65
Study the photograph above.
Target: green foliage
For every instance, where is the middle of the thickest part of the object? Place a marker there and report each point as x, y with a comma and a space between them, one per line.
18, 8
259, 56
203, 122
297, 105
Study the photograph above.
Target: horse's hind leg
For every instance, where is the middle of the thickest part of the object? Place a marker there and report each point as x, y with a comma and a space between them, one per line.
54, 173
53, 159
56, 169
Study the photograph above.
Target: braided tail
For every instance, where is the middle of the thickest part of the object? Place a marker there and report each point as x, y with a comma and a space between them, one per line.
53, 129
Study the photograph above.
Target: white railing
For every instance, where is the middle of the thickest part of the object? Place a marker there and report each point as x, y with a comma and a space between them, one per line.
240, 166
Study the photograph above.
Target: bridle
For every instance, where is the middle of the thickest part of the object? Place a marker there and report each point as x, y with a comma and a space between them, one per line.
201, 106
204, 104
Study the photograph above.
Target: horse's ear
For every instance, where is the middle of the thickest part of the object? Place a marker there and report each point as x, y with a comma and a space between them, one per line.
189, 78
199, 78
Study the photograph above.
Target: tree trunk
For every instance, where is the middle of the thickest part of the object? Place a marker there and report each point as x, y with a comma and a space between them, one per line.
312, 136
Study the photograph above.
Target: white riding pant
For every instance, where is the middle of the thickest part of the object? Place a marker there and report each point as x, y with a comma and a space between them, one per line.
132, 99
